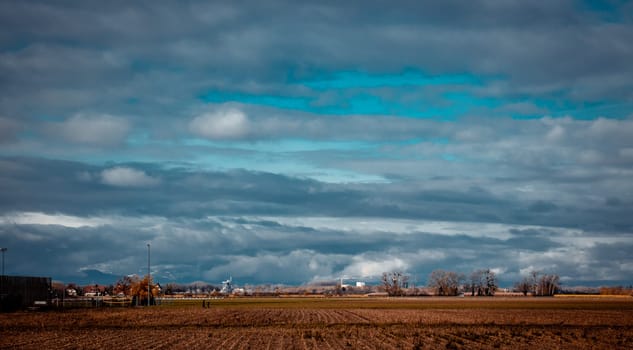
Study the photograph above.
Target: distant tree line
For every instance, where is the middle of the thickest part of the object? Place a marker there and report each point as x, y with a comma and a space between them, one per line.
539, 284
446, 283
482, 282
191, 288
395, 283
616, 290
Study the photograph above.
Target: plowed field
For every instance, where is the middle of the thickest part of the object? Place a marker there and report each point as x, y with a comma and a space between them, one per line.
302, 323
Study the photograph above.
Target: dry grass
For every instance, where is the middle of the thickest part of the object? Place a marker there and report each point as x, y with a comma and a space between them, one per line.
303, 323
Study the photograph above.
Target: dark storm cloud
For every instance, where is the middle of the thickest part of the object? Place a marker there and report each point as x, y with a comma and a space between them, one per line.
216, 245
53, 53
8, 130
179, 199
30, 184
76, 188
61, 251
108, 131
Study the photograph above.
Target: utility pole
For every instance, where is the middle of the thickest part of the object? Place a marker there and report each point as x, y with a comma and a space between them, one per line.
2, 276
3, 250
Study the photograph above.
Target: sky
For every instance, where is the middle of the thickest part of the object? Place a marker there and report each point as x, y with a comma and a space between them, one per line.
292, 141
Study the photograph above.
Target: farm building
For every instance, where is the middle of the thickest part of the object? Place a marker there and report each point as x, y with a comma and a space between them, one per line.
18, 292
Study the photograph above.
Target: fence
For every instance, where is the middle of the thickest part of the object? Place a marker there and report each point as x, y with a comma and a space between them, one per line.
106, 301
90, 302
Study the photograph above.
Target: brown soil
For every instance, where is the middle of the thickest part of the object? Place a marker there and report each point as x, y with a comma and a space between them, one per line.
524, 323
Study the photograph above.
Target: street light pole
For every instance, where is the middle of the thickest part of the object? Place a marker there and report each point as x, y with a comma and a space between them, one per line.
149, 278
3, 250
2, 276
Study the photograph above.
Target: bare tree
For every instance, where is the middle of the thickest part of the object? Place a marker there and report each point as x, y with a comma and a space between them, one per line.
124, 284
394, 283
524, 286
548, 285
445, 283
534, 279
539, 285
483, 283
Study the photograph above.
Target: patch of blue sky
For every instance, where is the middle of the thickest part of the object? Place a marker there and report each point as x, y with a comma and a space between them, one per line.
269, 163
138, 139
608, 10
462, 101
341, 176
284, 145
450, 157
440, 141
451, 106
356, 79
132, 101
364, 103
360, 99
282, 102
359, 104
281, 156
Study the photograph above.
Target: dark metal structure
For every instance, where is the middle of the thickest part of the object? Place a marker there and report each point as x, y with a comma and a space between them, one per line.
19, 292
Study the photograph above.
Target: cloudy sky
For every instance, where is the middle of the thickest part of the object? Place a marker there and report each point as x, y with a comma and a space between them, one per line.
289, 142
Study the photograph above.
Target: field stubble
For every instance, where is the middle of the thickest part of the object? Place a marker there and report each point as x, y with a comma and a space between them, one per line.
281, 323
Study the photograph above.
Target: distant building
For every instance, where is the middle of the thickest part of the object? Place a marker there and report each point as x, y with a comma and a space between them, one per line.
94, 290
227, 286
360, 284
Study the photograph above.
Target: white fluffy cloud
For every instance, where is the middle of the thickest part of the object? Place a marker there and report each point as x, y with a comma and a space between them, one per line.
361, 267
223, 123
127, 177
98, 129
35, 218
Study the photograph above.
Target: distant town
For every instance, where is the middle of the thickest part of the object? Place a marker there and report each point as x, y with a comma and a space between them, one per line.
24, 292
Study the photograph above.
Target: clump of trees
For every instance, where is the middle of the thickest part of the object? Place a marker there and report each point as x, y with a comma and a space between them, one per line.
139, 291
190, 289
446, 283
548, 285
483, 283
137, 288
539, 285
395, 283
